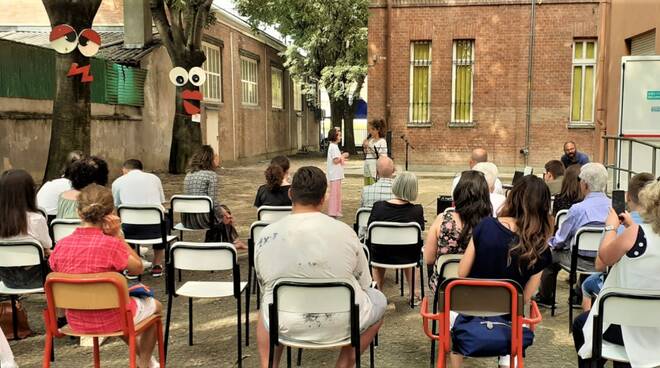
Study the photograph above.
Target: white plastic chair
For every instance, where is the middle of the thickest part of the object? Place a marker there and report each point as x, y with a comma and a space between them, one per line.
205, 257
61, 228
447, 265
145, 215
191, 204
255, 231
271, 214
560, 217
315, 296
382, 235
361, 219
624, 307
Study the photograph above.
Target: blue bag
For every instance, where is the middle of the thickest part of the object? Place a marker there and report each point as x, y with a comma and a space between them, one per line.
485, 336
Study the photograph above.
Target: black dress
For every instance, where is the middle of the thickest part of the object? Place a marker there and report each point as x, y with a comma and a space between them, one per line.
407, 212
277, 197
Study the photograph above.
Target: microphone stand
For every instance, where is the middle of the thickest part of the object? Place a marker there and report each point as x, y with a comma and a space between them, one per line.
408, 145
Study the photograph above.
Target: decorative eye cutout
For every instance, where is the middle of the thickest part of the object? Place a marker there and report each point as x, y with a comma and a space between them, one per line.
89, 42
197, 76
63, 38
178, 76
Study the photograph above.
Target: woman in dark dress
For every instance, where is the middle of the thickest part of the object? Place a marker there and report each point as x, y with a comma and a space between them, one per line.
276, 190
570, 193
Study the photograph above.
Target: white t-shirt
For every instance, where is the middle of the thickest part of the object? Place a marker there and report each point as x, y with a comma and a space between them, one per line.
498, 185
312, 245
496, 200
335, 171
49, 193
138, 187
37, 230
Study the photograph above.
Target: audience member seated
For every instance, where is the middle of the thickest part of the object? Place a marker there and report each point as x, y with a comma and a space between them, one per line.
553, 174
592, 285
478, 155
490, 173
572, 156
201, 180
451, 231
85, 171
276, 190
309, 244
513, 246
98, 246
398, 209
21, 220
140, 188
634, 258
6, 355
592, 211
50, 191
382, 189
570, 192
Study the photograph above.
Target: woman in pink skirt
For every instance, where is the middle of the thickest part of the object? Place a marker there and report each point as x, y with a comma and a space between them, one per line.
336, 161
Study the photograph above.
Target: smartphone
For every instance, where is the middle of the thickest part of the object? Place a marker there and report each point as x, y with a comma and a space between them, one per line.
619, 201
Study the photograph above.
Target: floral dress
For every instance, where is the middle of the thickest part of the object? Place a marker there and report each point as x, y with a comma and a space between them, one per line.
447, 244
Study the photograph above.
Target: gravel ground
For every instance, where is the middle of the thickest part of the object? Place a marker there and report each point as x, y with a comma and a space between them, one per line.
402, 340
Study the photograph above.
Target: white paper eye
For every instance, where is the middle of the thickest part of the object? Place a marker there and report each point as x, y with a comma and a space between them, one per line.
63, 38
197, 76
178, 76
89, 42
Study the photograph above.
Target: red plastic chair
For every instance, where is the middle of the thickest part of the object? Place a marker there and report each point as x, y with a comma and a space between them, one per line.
107, 290
479, 297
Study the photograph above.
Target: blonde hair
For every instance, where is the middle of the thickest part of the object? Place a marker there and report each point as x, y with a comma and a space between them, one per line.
94, 203
405, 186
649, 205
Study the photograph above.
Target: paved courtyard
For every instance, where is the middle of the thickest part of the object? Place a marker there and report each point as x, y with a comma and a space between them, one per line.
402, 340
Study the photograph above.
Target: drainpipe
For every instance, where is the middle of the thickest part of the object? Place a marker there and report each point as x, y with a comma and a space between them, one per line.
602, 80
388, 82
530, 69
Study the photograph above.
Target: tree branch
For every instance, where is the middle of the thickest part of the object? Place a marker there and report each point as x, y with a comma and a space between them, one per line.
164, 28
195, 40
177, 31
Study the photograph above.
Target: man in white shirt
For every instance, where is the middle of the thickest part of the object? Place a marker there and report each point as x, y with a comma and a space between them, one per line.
309, 244
478, 155
490, 173
140, 188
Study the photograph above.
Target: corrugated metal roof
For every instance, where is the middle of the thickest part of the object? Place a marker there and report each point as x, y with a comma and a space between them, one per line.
112, 45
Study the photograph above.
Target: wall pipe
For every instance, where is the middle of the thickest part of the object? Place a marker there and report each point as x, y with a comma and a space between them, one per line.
530, 69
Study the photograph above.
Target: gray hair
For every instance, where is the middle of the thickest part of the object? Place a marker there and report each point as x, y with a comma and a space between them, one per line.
595, 176
405, 186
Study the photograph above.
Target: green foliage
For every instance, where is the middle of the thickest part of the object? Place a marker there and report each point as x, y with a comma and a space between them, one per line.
189, 9
328, 41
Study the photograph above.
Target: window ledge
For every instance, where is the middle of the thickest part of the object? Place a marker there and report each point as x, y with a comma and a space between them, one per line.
250, 107
426, 124
277, 109
213, 105
456, 124
574, 125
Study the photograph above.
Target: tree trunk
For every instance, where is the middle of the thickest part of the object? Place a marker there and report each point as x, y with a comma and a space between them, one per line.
186, 137
342, 111
70, 127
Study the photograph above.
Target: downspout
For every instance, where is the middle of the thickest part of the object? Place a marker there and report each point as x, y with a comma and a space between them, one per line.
233, 93
602, 80
388, 82
530, 69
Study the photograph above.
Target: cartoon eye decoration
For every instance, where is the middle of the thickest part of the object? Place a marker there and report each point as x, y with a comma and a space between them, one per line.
63, 38
197, 76
178, 76
89, 42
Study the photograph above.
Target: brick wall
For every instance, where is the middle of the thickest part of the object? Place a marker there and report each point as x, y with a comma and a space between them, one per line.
501, 34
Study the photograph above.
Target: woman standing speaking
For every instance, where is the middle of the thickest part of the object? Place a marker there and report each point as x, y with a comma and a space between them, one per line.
374, 146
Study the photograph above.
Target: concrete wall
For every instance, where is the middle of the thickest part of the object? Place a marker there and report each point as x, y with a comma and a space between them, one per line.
501, 33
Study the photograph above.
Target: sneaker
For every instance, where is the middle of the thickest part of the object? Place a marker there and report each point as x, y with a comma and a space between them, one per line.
157, 270
146, 264
130, 277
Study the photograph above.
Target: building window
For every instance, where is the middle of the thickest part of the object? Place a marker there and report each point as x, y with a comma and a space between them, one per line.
276, 88
297, 95
420, 83
462, 81
584, 82
249, 81
213, 67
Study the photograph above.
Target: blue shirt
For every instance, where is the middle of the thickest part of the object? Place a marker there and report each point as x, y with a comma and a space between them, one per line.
593, 210
636, 218
580, 158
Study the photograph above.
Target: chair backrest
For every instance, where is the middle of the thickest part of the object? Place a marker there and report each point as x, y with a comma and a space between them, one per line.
449, 209
191, 204
587, 238
20, 253
271, 214
560, 217
61, 228
203, 256
442, 202
394, 233
141, 214
43, 212
625, 307
362, 217
481, 297
447, 265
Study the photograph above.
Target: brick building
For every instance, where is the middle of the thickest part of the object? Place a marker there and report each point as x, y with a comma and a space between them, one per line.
453, 75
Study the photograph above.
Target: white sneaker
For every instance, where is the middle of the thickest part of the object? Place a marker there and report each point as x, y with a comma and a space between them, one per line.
144, 249
146, 264
8, 364
153, 363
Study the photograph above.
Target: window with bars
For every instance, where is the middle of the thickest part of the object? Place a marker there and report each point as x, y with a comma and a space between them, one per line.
277, 99
249, 75
212, 89
297, 95
583, 82
462, 81
420, 82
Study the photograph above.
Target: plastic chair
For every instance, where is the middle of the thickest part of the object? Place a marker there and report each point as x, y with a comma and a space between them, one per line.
271, 214
314, 296
20, 254
625, 307
107, 290
447, 269
560, 217
361, 219
61, 228
255, 230
482, 298
382, 236
205, 257
191, 204
587, 238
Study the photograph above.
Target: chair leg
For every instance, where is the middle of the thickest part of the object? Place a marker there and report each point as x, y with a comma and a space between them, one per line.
239, 337
247, 315
161, 346
299, 359
412, 290
167, 322
132, 351
48, 350
421, 279
271, 353
434, 328
397, 276
190, 322
357, 349
258, 296
371, 355
288, 357
14, 316
571, 295
97, 354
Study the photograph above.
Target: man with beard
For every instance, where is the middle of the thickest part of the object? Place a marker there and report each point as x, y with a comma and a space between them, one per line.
572, 156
